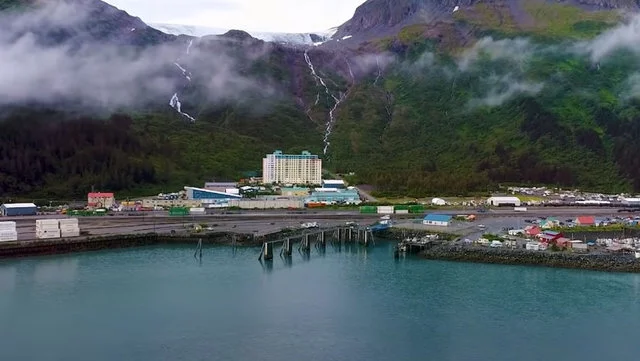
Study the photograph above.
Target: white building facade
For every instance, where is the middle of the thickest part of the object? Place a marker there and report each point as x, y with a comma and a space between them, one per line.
280, 168
504, 201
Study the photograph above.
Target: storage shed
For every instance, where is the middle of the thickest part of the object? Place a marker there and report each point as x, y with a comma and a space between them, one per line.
504, 201
333, 183
437, 220
18, 209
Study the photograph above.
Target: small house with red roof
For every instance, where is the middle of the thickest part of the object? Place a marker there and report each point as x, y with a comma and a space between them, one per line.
100, 200
549, 236
532, 231
586, 221
563, 242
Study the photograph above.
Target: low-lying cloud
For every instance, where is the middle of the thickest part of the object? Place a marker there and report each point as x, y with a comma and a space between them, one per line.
98, 74
632, 86
507, 62
624, 36
371, 63
517, 50
502, 89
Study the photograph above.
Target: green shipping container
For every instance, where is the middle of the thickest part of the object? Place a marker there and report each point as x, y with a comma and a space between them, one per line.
178, 211
416, 208
401, 208
369, 209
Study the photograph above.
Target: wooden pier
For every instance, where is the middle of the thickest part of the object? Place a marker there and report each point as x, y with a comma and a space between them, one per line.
414, 245
318, 239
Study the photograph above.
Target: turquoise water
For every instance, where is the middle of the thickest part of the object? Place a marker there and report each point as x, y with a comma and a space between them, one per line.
360, 304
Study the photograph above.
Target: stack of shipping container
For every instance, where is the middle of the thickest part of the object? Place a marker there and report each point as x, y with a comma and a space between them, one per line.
385, 209
69, 227
8, 231
197, 211
398, 209
178, 211
47, 228
57, 228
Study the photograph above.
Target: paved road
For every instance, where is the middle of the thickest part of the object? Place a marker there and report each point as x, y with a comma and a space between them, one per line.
110, 226
263, 222
367, 197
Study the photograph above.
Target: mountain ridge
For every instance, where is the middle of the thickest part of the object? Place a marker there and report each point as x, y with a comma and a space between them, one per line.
381, 18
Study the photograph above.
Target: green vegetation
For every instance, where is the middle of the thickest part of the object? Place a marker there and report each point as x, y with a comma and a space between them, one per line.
45, 155
13, 4
488, 16
593, 229
539, 19
550, 117
492, 237
561, 20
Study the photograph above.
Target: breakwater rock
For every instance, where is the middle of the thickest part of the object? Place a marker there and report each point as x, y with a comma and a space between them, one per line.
399, 234
596, 262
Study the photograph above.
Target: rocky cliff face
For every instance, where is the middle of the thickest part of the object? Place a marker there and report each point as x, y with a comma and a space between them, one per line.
77, 21
377, 18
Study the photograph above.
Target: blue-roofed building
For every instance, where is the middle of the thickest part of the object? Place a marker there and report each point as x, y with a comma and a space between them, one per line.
209, 197
437, 219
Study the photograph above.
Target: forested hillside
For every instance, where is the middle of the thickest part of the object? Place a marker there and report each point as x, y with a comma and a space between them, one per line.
553, 106
449, 107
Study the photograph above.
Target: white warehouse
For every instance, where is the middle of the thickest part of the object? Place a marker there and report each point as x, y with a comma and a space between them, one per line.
504, 201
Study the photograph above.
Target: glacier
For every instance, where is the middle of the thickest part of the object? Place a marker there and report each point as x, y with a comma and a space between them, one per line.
288, 38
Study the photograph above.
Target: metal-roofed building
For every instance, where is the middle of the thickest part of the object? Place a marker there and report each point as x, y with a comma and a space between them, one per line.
333, 183
18, 209
632, 202
225, 187
347, 196
209, 197
586, 221
437, 219
504, 201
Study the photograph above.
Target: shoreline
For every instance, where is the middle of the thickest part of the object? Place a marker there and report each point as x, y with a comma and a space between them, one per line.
33, 248
626, 263
602, 262
456, 252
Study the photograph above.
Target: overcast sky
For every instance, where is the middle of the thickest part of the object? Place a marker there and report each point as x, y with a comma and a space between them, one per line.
251, 15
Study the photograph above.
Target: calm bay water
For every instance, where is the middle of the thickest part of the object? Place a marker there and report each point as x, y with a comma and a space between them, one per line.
360, 304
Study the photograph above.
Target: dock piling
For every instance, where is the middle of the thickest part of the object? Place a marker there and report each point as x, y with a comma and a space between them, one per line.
268, 251
198, 250
287, 247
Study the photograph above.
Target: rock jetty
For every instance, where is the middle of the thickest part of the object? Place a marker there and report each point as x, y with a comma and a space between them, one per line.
596, 262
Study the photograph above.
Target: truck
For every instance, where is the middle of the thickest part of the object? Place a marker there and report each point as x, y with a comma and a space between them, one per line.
519, 209
309, 225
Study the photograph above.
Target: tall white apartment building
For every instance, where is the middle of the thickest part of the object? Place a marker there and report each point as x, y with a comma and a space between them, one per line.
304, 168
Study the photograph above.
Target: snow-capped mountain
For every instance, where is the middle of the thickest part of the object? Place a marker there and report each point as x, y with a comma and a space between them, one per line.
288, 38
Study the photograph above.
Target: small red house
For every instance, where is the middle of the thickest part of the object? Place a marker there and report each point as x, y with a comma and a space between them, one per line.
533, 231
100, 200
563, 242
549, 236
